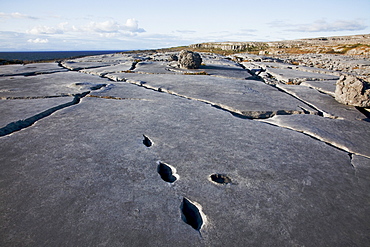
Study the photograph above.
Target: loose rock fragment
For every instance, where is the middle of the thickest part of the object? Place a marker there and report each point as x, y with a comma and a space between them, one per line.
173, 57
352, 90
189, 59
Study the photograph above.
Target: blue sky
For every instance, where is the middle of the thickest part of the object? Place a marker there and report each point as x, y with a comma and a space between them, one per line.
39, 25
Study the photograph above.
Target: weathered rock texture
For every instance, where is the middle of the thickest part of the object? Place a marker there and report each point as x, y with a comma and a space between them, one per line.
351, 90
141, 154
189, 59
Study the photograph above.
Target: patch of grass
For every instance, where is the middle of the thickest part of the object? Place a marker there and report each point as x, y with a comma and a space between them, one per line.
345, 48
294, 51
196, 73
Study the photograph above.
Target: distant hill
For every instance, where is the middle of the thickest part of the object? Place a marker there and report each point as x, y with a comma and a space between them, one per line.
344, 45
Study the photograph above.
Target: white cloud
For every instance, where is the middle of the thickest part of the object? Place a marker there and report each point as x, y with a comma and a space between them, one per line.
47, 30
111, 26
324, 26
103, 27
16, 15
132, 25
38, 41
106, 29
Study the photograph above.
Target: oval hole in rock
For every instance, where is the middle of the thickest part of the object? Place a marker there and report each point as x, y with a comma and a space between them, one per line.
147, 142
191, 214
166, 172
220, 178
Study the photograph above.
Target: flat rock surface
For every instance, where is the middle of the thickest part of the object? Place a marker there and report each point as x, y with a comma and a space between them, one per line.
327, 87
248, 97
128, 164
290, 75
353, 136
14, 110
56, 84
101, 71
84, 65
30, 69
322, 102
153, 67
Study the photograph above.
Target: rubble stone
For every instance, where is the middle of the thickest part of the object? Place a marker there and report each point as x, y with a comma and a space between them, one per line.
352, 90
189, 59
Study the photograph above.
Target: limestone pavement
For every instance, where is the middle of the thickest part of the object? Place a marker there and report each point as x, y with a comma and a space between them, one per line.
130, 150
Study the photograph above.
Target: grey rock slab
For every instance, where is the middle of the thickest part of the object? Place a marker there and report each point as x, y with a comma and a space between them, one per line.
226, 71
106, 58
250, 98
351, 136
295, 76
14, 110
55, 84
101, 71
323, 102
153, 67
301, 68
84, 177
362, 169
253, 67
128, 91
218, 60
327, 87
30, 69
217, 70
74, 65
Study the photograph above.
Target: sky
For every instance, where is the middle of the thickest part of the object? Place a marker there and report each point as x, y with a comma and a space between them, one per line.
69, 25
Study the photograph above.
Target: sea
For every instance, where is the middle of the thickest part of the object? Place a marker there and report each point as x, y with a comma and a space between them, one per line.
33, 56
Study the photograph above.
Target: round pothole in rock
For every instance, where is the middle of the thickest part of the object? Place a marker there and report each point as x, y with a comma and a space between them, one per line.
167, 172
147, 142
220, 178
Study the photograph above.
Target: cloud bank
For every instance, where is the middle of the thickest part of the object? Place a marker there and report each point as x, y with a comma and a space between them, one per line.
47, 30
108, 28
112, 28
16, 15
38, 41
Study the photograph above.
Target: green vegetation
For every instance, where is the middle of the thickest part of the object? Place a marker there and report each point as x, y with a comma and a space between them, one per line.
196, 73
345, 48
7, 62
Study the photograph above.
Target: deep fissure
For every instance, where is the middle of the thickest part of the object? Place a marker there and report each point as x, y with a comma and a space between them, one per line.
22, 124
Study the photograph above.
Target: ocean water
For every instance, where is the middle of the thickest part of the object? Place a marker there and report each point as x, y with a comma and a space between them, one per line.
49, 55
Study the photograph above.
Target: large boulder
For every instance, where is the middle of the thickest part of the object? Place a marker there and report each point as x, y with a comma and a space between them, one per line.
352, 90
189, 59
